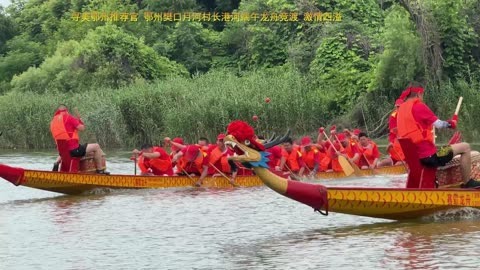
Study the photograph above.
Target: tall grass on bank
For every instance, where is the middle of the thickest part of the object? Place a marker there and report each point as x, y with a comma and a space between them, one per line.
203, 106
190, 108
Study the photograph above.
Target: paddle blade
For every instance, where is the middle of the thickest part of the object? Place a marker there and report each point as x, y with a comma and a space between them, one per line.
345, 164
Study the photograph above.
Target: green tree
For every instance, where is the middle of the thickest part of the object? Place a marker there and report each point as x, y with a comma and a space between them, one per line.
8, 30
107, 57
401, 59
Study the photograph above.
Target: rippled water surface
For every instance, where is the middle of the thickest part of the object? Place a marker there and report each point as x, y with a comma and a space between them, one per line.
243, 228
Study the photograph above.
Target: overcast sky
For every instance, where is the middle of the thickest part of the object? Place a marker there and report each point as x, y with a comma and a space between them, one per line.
4, 3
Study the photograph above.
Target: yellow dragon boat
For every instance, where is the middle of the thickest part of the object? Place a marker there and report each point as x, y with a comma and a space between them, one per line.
78, 183
387, 203
85, 180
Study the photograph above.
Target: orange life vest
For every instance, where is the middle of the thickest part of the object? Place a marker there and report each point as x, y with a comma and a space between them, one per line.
292, 159
157, 165
141, 164
190, 167
59, 132
396, 151
407, 127
217, 155
309, 157
367, 154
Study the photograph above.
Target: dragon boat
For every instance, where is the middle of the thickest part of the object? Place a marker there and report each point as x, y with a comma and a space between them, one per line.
77, 176
85, 180
420, 197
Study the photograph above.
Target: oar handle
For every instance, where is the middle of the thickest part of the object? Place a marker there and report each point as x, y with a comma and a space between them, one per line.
458, 105
135, 164
325, 134
222, 174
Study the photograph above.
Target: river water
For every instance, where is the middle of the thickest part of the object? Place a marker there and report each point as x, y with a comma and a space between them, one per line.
241, 228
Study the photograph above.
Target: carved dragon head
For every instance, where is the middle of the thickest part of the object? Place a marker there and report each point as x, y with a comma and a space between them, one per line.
249, 149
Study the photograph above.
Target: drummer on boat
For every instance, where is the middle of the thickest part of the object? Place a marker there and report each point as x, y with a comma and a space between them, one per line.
415, 121
65, 126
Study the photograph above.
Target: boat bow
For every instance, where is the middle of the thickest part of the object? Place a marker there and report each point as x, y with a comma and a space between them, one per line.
12, 174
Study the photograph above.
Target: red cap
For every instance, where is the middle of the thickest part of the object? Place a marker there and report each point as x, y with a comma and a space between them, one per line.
306, 141
191, 152
356, 131
178, 140
221, 136
341, 137
398, 102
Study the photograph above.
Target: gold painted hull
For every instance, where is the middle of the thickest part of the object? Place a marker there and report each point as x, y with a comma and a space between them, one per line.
78, 183
399, 204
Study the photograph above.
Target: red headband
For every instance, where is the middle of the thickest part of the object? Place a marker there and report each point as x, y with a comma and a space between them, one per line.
409, 90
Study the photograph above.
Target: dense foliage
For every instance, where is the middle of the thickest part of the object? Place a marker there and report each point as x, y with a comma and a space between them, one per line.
137, 79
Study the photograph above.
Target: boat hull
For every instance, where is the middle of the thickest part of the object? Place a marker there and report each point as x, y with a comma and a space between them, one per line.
78, 183
399, 204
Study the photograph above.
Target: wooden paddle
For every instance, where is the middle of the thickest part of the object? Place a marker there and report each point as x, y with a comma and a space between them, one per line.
222, 174
188, 175
457, 136
457, 110
294, 176
354, 166
344, 163
135, 164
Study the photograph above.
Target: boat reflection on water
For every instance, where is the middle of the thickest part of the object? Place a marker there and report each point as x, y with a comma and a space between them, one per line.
448, 242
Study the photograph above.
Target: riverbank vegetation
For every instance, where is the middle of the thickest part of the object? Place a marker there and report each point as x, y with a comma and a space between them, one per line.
139, 81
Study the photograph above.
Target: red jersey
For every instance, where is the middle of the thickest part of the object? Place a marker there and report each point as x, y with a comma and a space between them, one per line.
425, 117
71, 124
392, 126
275, 156
371, 153
195, 165
162, 164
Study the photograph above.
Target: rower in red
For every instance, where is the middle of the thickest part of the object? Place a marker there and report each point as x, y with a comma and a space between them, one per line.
415, 121
154, 160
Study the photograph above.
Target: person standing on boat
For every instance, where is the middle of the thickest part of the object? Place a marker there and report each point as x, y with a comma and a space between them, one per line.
415, 121
64, 126
154, 160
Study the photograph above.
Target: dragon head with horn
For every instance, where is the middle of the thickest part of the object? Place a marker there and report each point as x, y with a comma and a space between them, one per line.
251, 152
249, 149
